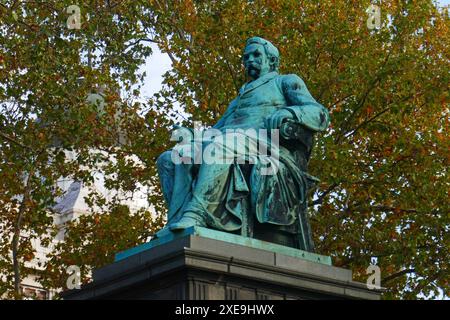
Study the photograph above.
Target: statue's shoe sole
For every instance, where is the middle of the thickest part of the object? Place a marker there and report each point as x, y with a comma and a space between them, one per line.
180, 226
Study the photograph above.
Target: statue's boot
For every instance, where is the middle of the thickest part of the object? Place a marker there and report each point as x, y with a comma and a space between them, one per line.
189, 219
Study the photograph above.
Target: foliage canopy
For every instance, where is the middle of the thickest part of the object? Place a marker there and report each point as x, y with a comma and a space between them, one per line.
383, 164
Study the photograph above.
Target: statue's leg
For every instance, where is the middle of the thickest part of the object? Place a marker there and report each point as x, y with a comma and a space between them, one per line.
166, 172
208, 195
175, 181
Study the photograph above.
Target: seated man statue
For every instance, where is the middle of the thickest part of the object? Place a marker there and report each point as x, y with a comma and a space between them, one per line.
243, 190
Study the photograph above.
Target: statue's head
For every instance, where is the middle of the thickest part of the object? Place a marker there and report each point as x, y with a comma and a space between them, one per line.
260, 57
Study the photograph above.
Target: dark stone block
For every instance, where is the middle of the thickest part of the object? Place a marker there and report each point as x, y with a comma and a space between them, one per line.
198, 268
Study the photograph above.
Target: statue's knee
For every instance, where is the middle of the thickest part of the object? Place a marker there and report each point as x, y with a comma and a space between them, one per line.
164, 161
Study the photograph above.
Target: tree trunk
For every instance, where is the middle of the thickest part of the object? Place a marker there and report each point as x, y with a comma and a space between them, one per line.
16, 236
15, 246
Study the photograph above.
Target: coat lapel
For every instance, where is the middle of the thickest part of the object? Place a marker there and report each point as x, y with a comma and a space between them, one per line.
249, 86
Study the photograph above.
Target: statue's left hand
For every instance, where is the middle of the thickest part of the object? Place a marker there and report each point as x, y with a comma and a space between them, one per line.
275, 120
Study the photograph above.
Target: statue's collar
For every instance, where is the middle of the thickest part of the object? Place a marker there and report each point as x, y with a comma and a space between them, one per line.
258, 82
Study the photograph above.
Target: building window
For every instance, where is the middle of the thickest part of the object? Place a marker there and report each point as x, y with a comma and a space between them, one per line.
34, 293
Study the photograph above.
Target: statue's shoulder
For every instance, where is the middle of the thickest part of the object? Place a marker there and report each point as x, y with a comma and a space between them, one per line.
291, 82
233, 103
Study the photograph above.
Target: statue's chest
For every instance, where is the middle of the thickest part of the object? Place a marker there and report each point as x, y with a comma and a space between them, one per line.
255, 105
266, 96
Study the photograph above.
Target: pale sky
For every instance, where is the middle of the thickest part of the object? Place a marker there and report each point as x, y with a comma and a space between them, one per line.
156, 65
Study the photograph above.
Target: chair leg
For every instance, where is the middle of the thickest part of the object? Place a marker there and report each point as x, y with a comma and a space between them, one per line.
304, 234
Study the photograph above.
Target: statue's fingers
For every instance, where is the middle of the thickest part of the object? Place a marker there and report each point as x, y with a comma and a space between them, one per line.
279, 121
269, 121
274, 122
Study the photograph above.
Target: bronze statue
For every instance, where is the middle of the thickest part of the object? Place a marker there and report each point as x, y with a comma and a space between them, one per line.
242, 189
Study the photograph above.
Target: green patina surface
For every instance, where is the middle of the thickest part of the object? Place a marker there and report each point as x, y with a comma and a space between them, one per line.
226, 237
245, 179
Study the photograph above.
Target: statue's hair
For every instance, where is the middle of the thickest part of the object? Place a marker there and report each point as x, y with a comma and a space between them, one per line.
269, 48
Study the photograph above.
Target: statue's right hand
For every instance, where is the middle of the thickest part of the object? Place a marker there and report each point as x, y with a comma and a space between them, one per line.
275, 120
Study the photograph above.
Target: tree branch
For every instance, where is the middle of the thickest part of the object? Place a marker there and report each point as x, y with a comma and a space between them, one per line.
11, 139
397, 275
323, 194
387, 208
372, 85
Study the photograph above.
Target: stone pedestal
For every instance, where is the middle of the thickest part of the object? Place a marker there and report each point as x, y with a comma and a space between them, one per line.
202, 264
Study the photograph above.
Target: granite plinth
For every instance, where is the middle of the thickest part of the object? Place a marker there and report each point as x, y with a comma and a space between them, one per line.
199, 264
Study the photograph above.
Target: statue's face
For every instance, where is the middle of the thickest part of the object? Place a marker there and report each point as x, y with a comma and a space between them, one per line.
256, 62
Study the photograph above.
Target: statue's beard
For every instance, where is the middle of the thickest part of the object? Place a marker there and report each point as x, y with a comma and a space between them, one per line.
253, 71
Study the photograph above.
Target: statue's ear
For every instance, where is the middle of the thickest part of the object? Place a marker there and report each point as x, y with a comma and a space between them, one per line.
273, 63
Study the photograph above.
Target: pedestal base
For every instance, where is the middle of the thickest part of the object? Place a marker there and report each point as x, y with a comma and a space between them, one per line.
196, 265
